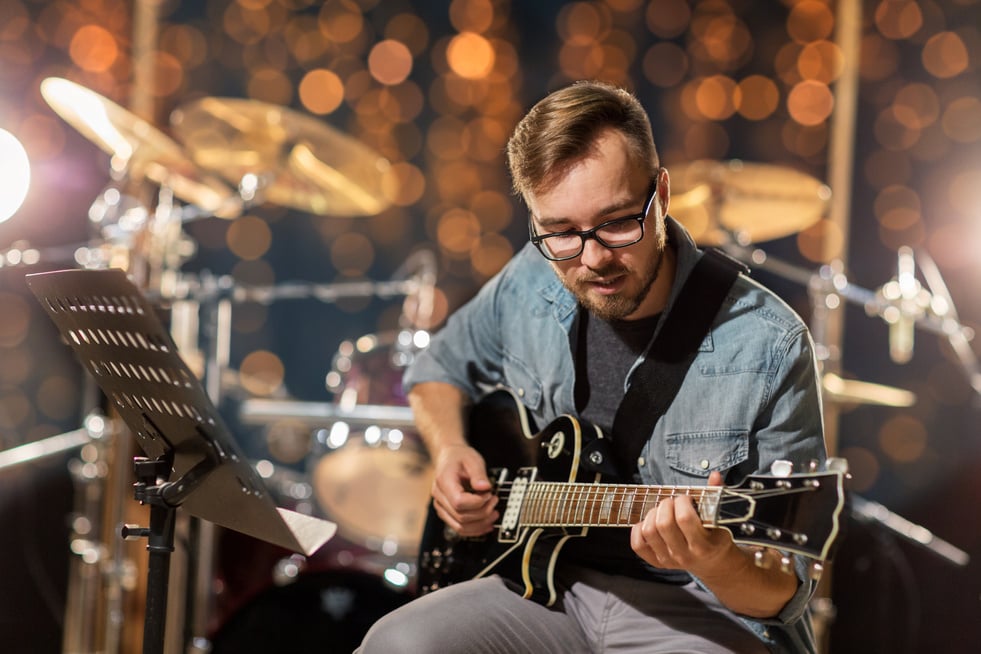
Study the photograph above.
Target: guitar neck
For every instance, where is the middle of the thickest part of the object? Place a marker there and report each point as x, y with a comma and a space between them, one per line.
559, 504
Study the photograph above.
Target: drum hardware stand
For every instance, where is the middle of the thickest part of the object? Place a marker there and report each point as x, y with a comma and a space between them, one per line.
930, 309
869, 511
904, 305
117, 337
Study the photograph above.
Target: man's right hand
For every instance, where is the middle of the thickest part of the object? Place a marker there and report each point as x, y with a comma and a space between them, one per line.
462, 492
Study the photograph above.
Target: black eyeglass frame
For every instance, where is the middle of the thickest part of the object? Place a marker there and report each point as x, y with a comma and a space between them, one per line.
587, 234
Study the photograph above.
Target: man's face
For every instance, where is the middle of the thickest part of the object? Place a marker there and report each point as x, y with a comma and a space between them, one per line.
614, 284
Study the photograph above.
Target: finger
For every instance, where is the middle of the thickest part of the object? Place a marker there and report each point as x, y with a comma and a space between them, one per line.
689, 524
666, 522
639, 545
715, 478
652, 539
466, 524
476, 474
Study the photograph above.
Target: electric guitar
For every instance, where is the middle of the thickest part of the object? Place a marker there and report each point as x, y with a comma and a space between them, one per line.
563, 496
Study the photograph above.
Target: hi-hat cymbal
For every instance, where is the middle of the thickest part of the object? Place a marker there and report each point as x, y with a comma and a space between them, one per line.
137, 146
851, 391
719, 200
300, 162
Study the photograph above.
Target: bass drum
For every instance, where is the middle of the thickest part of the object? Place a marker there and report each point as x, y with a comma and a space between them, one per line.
268, 599
371, 473
327, 612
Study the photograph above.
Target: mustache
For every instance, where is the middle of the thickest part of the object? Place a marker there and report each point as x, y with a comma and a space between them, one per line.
602, 273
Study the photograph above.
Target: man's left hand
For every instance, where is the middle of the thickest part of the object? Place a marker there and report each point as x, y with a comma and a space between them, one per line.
672, 536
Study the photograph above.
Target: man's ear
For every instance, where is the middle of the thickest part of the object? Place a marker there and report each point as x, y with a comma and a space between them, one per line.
663, 190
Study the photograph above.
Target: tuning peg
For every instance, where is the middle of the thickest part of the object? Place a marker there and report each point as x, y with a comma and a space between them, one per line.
760, 560
836, 464
781, 468
813, 465
815, 570
786, 564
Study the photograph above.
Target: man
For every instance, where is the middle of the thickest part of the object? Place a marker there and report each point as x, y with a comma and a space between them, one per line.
564, 325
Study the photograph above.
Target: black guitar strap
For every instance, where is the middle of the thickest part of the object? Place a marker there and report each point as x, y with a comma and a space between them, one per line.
655, 383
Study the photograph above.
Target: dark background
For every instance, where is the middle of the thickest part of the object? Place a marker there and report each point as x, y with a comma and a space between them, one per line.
920, 462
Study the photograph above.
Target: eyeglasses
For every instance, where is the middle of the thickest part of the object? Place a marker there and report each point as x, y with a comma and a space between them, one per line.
613, 234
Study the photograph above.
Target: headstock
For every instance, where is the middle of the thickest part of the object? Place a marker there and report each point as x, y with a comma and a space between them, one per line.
795, 513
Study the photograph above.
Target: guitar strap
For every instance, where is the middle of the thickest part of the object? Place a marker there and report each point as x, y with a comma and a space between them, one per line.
655, 382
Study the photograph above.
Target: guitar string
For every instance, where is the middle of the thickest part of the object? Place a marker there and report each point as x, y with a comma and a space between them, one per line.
548, 503
603, 490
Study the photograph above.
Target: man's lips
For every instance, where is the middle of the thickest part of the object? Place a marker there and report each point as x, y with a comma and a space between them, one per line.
606, 285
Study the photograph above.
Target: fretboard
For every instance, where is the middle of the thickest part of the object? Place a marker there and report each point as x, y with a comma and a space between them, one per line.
555, 504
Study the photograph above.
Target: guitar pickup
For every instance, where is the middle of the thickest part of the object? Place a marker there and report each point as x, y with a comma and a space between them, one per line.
513, 501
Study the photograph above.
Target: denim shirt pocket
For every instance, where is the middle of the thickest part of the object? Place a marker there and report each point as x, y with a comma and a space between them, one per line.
699, 453
519, 378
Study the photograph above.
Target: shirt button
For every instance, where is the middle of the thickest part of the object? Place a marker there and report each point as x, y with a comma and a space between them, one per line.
704, 464
521, 392
641, 462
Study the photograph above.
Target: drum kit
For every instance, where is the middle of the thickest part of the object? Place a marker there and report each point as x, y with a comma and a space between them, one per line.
357, 459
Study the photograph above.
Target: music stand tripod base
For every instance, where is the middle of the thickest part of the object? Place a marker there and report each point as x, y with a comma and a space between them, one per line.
193, 461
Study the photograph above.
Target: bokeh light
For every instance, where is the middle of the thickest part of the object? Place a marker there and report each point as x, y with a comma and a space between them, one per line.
15, 174
434, 90
470, 55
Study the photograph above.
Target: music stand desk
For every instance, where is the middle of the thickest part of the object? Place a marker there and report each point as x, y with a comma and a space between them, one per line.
193, 461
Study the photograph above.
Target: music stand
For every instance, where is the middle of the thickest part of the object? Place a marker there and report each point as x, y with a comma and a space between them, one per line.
193, 461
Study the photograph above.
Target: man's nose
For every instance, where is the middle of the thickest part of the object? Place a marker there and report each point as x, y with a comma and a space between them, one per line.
594, 253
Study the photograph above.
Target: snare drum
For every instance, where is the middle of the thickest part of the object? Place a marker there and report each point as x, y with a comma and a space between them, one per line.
371, 473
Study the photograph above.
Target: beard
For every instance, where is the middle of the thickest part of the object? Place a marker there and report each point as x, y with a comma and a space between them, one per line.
619, 305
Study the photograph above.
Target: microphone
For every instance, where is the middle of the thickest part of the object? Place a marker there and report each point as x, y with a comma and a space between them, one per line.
904, 291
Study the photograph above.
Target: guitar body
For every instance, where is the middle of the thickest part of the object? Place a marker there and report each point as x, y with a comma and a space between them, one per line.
556, 483
502, 431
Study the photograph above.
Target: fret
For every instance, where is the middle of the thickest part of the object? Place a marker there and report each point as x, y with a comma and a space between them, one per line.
540, 503
606, 505
581, 506
626, 507
592, 505
533, 504
566, 503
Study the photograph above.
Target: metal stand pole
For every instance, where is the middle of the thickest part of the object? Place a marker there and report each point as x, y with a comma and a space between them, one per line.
160, 545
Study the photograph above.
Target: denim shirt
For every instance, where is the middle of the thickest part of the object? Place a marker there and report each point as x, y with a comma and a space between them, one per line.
751, 395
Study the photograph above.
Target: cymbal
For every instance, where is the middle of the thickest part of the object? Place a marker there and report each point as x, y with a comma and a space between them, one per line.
719, 200
300, 162
850, 391
137, 146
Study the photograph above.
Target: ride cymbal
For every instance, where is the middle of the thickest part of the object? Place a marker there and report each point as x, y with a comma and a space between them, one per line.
722, 201
138, 147
299, 161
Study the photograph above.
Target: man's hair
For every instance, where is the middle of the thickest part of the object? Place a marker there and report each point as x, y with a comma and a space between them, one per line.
560, 130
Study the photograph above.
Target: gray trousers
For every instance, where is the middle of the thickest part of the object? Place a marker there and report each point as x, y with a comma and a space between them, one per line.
598, 613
